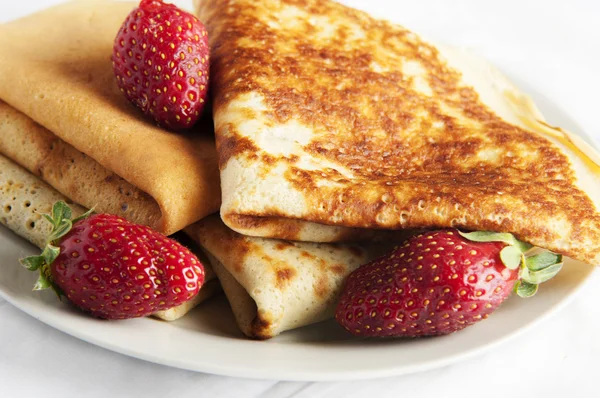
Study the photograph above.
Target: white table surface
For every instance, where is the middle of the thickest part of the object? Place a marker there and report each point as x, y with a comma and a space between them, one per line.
555, 47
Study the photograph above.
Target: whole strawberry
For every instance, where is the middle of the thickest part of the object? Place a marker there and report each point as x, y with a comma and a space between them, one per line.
161, 62
440, 282
115, 269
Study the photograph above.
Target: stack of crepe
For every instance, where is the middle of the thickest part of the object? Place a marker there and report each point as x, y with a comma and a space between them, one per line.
67, 132
330, 126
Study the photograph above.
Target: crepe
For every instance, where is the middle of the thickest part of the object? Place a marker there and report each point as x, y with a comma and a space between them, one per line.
95, 147
328, 120
275, 285
24, 198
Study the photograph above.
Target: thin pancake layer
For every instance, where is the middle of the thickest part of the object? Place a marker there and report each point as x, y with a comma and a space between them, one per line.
72, 172
55, 67
330, 118
24, 198
274, 285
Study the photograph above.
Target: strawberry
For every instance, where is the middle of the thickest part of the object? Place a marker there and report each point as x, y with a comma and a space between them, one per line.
112, 268
161, 61
440, 282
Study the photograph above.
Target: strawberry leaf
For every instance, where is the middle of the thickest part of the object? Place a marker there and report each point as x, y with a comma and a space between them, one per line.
84, 215
60, 211
32, 263
50, 253
541, 276
511, 257
524, 289
49, 218
489, 236
43, 282
542, 260
61, 230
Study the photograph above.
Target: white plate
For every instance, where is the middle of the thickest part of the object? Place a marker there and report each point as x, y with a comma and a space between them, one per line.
207, 339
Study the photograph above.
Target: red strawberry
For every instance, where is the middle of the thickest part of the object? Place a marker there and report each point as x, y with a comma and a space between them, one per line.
115, 269
160, 59
440, 282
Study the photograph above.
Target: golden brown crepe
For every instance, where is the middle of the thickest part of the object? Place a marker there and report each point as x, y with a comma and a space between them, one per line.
70, 171
23, 200
94, 147
328, 119
275, 285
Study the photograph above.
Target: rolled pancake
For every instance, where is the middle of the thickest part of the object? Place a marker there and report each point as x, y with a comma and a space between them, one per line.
24, 198
70, 171
328, 121
55, 69
274, 285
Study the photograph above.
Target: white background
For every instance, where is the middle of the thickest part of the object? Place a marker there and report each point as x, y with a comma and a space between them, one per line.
552, 45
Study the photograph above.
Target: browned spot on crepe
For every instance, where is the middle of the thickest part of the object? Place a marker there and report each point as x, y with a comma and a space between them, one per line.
284, 277
260, 326
338, 269
321, 286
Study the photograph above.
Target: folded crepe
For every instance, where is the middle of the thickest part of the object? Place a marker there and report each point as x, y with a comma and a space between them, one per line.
24, 198
67, 122
275, 285
328, 121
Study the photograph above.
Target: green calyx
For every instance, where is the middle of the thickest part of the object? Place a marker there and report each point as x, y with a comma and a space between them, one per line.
62, 222
533, 269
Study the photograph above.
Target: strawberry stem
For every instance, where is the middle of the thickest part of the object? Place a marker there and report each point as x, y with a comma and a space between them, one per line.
533, 269
61, 221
